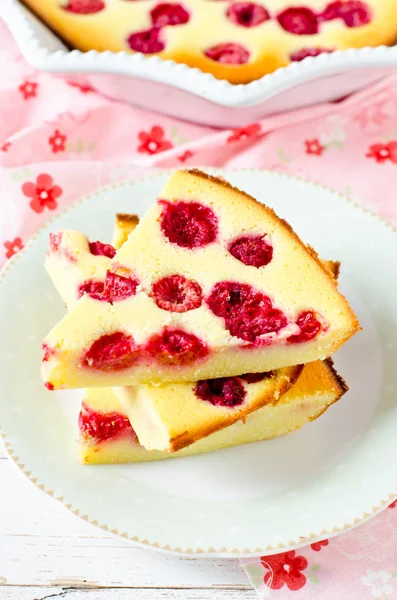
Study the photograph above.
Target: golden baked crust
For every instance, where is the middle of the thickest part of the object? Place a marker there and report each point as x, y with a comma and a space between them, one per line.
301, 404
281, 381
268, 44
123, 226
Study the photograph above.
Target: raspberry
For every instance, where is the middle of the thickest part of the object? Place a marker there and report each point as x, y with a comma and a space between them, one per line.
49, 386
118, 288
304, 52
298, 20
228, 54
103, 426
253, 250
256, 377
309, 325
85, 7
147, 42
189, 224
176, 347
55, 241
169, 14
353, 12
247, 14
92, 288
113, 289
229, 298
48, 352
248, 313
177, 294
100, 249
226, 391
249, 327
112, 352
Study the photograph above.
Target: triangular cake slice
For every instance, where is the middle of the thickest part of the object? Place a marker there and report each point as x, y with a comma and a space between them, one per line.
177, 417
106, 435
72, 279
210, 284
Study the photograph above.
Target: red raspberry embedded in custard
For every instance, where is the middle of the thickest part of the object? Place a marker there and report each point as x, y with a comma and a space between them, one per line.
250, 326
309, 325
55, 241
188, 224
353, 12
113, 352
304, 52
49, 386
254, 251
48, 352
247, 312
247, 14
229, 298
169, 14
228, 54
84, 7
92, 288
118, 288
176, 293
103, 426
176, 347
299, 20
226, 391
100, 249
147, 42
113, 289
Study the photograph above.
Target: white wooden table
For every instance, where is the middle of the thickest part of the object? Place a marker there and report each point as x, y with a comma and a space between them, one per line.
45, 552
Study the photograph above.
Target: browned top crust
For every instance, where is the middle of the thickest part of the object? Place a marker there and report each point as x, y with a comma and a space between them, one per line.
125, 217
341, 382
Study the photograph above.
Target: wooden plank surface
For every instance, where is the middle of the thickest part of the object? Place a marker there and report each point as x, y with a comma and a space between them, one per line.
41, 544
20, 593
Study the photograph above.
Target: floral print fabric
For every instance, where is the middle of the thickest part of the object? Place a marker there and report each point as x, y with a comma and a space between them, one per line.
358, 565
60, 140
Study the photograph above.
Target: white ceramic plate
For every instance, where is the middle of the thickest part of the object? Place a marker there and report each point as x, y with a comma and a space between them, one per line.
250, 500
186, 93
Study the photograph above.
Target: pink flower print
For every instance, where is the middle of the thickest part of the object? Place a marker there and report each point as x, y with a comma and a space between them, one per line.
28, 90
314, 147
244, 133
153, 142
185, 156
284, 569
318, 545
57, 141
13, 246
43, 193
6, 146
383, 152
379, 582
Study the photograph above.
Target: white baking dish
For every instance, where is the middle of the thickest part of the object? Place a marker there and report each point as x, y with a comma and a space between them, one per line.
186, 93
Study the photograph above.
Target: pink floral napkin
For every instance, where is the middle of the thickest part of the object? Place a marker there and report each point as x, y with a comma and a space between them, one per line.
358, 565
59, 141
